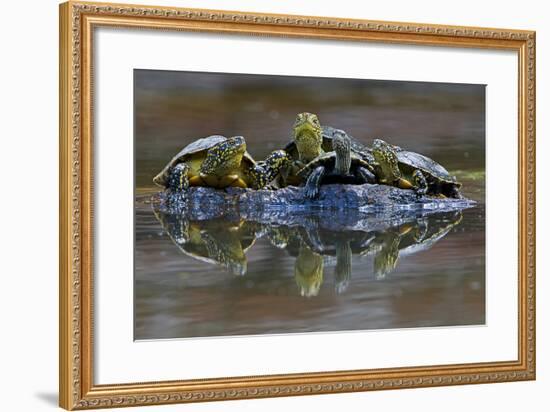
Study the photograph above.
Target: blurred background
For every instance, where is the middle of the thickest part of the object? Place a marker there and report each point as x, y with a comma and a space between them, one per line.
179, 295
443, 121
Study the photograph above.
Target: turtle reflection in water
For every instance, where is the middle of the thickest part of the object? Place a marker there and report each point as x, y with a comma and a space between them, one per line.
337, 244
308, 266
215, 241
409, 238
225, 241
308, 271
314, 248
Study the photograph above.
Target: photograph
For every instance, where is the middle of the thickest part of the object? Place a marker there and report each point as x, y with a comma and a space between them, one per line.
270, 204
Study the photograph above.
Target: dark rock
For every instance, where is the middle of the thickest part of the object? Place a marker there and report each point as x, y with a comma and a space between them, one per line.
346, 200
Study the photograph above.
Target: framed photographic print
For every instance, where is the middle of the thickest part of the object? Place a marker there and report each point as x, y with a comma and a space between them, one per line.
257, 205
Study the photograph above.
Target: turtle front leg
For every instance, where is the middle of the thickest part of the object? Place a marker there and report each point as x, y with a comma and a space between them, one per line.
420, 183
264, 173
366, 175
313, 182
178, 181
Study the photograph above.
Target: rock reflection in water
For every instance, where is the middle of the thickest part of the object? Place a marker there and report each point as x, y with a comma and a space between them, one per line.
316, 241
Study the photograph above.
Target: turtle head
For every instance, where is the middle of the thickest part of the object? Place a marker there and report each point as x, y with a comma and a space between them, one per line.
266, 170
380, 147
308, 136
307, 122
341, 145
224, 157
386, 156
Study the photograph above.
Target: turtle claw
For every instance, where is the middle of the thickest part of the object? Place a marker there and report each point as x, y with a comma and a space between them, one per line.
311, 192
313, 181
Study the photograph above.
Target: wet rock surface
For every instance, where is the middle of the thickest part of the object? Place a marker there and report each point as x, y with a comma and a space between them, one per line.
345, 204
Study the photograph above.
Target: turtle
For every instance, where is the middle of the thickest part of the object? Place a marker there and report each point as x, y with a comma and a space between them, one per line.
410, 170
219, 162
342, 165
309, 141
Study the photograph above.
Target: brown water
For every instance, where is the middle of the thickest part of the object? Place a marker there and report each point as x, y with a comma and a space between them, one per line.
235, 276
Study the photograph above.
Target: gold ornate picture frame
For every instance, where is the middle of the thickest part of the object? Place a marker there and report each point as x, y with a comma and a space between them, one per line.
78, 20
